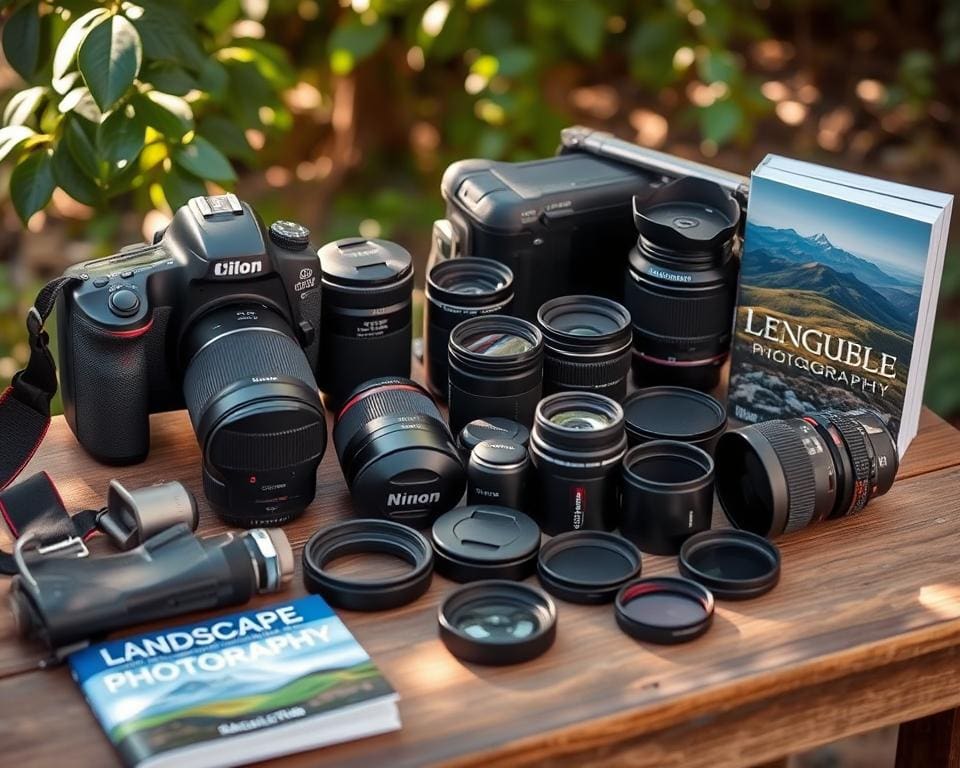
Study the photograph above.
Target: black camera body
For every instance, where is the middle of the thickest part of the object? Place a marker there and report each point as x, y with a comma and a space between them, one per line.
220, 313
560, 222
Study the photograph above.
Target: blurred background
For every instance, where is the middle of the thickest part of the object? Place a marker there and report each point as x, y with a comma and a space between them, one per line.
343, 115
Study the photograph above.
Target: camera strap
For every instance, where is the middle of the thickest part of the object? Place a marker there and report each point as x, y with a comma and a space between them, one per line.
33, 509
25, 404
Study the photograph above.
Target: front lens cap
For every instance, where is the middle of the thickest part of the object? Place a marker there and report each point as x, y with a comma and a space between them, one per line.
733, 564
497, 622
587, 566
484, 541
665, 610
367, 537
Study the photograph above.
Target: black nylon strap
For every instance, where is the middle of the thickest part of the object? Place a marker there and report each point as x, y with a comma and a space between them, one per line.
25, 404
34, 507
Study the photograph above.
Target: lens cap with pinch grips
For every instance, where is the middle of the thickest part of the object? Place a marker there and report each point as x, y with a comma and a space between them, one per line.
484, 541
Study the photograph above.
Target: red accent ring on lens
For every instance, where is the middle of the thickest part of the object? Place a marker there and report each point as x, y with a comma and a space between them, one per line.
684, 363
382, 388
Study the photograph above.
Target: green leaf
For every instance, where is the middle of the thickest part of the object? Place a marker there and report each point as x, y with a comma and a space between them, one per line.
169, 78
11, 137
23, 105
720, 121
584, 23
718, 67
652, 47
202, 159
169, 114
109, 60
213, 79
21, 39
80, 101
353, 41
516, 61
228, 137
71, 178
32, 183
168, 34
178, 187
77, 134
66, 53
119, 140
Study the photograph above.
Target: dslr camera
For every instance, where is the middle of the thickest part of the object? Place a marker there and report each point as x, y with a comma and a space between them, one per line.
219, 314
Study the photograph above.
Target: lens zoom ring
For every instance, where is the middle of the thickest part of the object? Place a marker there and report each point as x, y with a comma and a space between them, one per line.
267, 451
597, 373
855, 439
797, 469
384, 401
695, 316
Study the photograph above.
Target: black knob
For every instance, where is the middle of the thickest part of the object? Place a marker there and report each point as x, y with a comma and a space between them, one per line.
124, 302
289, 235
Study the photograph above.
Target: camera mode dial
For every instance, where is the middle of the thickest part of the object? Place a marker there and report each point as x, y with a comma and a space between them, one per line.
290, 235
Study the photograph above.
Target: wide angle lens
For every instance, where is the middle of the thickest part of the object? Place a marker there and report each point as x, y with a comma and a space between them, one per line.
779, 476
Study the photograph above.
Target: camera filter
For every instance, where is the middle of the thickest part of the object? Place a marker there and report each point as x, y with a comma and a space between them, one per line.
587, 566
734, 565
664, 610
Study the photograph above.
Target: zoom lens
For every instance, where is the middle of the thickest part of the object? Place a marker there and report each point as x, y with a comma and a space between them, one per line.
495, 369
576, 445
255, 409
779, 476
397, 454
366, 313
681, 283
587, 341
456, 291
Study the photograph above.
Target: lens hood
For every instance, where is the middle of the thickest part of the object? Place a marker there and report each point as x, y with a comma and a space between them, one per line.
364, 537
688, 214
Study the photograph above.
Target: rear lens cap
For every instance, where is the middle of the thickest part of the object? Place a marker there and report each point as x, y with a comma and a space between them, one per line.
495, 428
733, 564
587, 566
485, 541
674, 413
664, 610
497, 622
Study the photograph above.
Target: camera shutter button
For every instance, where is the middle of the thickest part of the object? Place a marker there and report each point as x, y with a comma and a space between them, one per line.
124, 302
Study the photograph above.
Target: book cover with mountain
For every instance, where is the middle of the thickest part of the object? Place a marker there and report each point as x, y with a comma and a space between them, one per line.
235, 689
835, 295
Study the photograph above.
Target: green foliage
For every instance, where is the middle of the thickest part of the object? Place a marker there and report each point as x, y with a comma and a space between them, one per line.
119, 94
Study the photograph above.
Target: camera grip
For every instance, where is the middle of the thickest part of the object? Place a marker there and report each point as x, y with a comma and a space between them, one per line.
104, 379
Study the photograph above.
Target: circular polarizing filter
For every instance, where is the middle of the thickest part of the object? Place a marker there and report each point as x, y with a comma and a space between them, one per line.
674, 413
368, 537
587, 566
497, 622
733, 564
485, 541
664, 610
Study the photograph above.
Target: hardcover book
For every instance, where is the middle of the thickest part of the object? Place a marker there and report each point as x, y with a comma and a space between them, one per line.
838, 290
236, 689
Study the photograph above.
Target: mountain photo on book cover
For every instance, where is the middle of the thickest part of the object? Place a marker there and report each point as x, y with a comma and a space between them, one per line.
830, 293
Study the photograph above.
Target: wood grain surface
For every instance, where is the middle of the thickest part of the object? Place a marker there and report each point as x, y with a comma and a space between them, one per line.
863, 630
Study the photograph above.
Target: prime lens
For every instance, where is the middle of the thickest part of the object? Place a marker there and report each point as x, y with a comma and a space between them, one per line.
255, 409
397, 454
456, 291
587, 345
366, 313
779, 476
576, 446
495, 369
681, 283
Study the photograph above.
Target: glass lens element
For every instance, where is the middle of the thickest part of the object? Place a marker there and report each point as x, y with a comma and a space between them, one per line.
497, 621
499, 344
580, 419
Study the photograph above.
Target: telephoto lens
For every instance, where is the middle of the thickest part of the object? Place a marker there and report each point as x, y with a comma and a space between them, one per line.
495, 369
255, 410
587, 345
61, 601
456, 291
397, 454
576, 446
366, 313
681, 283
779, 476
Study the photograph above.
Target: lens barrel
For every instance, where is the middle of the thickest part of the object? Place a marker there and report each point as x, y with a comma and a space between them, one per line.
366, 314
779, 476
397, 454
457, 290
576, 446
681, 283
587, 345
495, 369
254, 405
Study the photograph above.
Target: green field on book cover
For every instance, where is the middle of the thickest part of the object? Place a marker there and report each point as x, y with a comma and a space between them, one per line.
830, 293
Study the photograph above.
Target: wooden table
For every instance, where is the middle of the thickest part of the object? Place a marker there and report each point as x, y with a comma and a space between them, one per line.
863, 631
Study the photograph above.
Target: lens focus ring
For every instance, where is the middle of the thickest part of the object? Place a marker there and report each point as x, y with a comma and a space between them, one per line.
596, 375
693, 317
797, 470
855, 439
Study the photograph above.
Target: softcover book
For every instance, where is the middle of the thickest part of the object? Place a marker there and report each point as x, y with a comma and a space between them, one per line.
236, 689
838, 289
